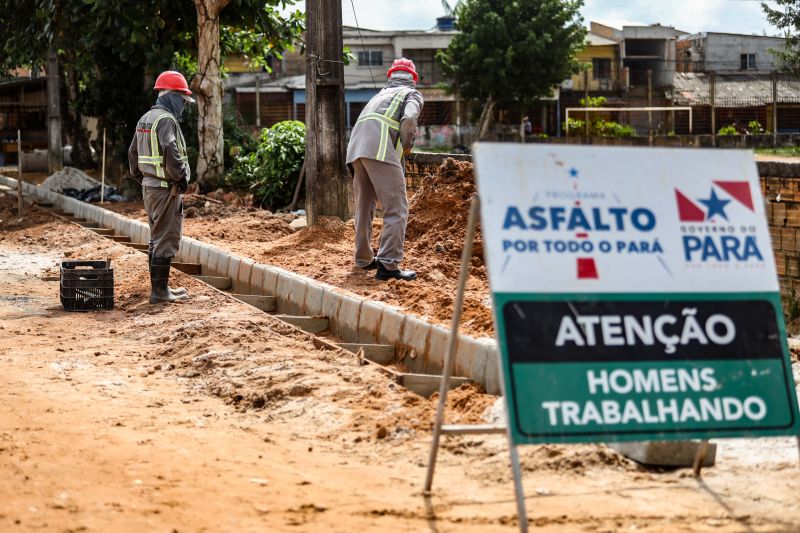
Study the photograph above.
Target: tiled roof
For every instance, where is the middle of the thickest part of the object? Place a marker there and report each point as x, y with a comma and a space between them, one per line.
734, 89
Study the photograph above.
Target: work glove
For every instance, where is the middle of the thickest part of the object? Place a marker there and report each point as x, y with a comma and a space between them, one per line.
183, 185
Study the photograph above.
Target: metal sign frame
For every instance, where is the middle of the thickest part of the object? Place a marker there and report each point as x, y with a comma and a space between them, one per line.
439, 428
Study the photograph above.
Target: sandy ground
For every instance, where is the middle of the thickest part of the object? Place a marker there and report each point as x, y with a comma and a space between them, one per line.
215, 417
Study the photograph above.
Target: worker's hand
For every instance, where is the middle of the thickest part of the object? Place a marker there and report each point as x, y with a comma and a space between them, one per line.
406, 151
183, 185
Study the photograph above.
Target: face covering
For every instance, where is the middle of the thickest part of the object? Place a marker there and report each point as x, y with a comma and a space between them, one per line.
173, 102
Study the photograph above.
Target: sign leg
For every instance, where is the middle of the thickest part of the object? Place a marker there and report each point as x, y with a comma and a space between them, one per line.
466, 257
700, 458
798, 447
522, 515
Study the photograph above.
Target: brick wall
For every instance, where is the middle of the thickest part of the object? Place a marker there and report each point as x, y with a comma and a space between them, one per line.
783, 218
419, 165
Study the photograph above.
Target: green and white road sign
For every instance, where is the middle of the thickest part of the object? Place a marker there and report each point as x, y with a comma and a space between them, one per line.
635, 294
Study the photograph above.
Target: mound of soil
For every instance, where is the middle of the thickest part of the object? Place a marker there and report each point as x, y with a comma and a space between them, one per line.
438, 215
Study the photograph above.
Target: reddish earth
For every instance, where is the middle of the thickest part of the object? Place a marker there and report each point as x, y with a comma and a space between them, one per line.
435, 237
214, 416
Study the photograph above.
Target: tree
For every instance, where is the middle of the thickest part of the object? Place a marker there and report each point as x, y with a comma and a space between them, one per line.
110, 63
256, 27
786, 16
513, 52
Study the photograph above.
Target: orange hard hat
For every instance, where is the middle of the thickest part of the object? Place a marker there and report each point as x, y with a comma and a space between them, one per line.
404, 64
172, 80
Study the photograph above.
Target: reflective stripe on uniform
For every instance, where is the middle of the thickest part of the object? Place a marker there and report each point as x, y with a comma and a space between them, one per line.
387, 122
156, 158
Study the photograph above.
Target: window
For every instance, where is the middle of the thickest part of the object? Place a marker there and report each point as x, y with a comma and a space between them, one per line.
373, 58
748, 62
601, 68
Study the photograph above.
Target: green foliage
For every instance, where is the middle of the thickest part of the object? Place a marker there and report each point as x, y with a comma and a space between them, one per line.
785, 15
593, 101
513, 51
113, 49
728, 130
272, 170
783, 151
754, 127
603, 128
574, 124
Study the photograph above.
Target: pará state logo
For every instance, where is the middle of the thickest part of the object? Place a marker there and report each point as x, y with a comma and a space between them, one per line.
718, 227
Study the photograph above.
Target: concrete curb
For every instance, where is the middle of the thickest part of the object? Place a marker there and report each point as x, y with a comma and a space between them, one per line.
420, 344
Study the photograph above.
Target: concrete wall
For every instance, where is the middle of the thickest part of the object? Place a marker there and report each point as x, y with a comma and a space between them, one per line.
723, 51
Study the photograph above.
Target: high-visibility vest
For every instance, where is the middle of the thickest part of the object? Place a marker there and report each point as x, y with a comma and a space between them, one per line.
151, 160
390, 122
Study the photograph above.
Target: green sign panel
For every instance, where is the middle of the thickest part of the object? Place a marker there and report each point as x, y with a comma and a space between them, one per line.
587, 368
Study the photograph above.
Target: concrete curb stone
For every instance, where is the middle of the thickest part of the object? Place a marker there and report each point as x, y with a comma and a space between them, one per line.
232, 270
392, 324
415, 344
312, 301
347, 316
369, 322
242, 279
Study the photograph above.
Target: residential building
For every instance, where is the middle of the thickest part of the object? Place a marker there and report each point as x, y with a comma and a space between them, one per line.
649, 51
281, 96
603, 59
727, 52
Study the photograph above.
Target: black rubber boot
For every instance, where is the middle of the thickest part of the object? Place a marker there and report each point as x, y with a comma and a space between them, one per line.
384, 274
176, 292
372, 266
159, 277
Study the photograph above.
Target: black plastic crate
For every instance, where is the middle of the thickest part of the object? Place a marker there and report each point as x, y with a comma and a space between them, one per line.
87, 285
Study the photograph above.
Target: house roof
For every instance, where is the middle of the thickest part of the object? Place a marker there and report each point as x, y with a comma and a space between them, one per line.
597, 40
733, 89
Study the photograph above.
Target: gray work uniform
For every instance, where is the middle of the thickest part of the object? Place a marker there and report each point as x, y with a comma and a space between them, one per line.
386, 126
158, 154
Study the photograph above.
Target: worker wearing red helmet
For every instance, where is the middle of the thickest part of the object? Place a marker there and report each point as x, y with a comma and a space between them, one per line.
383, 134
157, 157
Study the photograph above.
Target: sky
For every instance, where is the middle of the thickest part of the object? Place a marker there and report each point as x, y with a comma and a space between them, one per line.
733, 16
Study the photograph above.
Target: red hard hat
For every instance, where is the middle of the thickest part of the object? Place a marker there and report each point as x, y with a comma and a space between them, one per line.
404, 64
173, 81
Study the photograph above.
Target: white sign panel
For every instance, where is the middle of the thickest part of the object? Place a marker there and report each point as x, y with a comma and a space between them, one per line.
574, 219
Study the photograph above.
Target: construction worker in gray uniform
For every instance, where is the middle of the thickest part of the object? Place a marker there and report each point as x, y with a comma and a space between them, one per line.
157, 156
382, 136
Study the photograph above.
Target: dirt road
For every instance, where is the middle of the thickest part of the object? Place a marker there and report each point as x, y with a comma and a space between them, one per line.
212, 416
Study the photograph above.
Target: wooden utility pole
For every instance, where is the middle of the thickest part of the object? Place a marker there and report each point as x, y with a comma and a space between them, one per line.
20, 202
586, 102
712, 96
258, 101
55, 161
650, 104
775, 108
326, 175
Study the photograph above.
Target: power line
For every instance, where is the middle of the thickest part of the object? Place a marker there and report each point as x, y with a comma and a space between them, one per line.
369, 65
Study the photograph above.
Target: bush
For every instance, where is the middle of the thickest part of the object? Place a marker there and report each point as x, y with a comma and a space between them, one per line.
754, 127
727, 130
272, 170
574, 124
603, 128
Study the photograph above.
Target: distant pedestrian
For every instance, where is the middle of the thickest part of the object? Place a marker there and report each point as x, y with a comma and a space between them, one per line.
157, 155
383, 134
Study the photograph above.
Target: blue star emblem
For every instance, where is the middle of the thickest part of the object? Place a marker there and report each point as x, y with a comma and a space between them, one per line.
573, 172
715, 205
